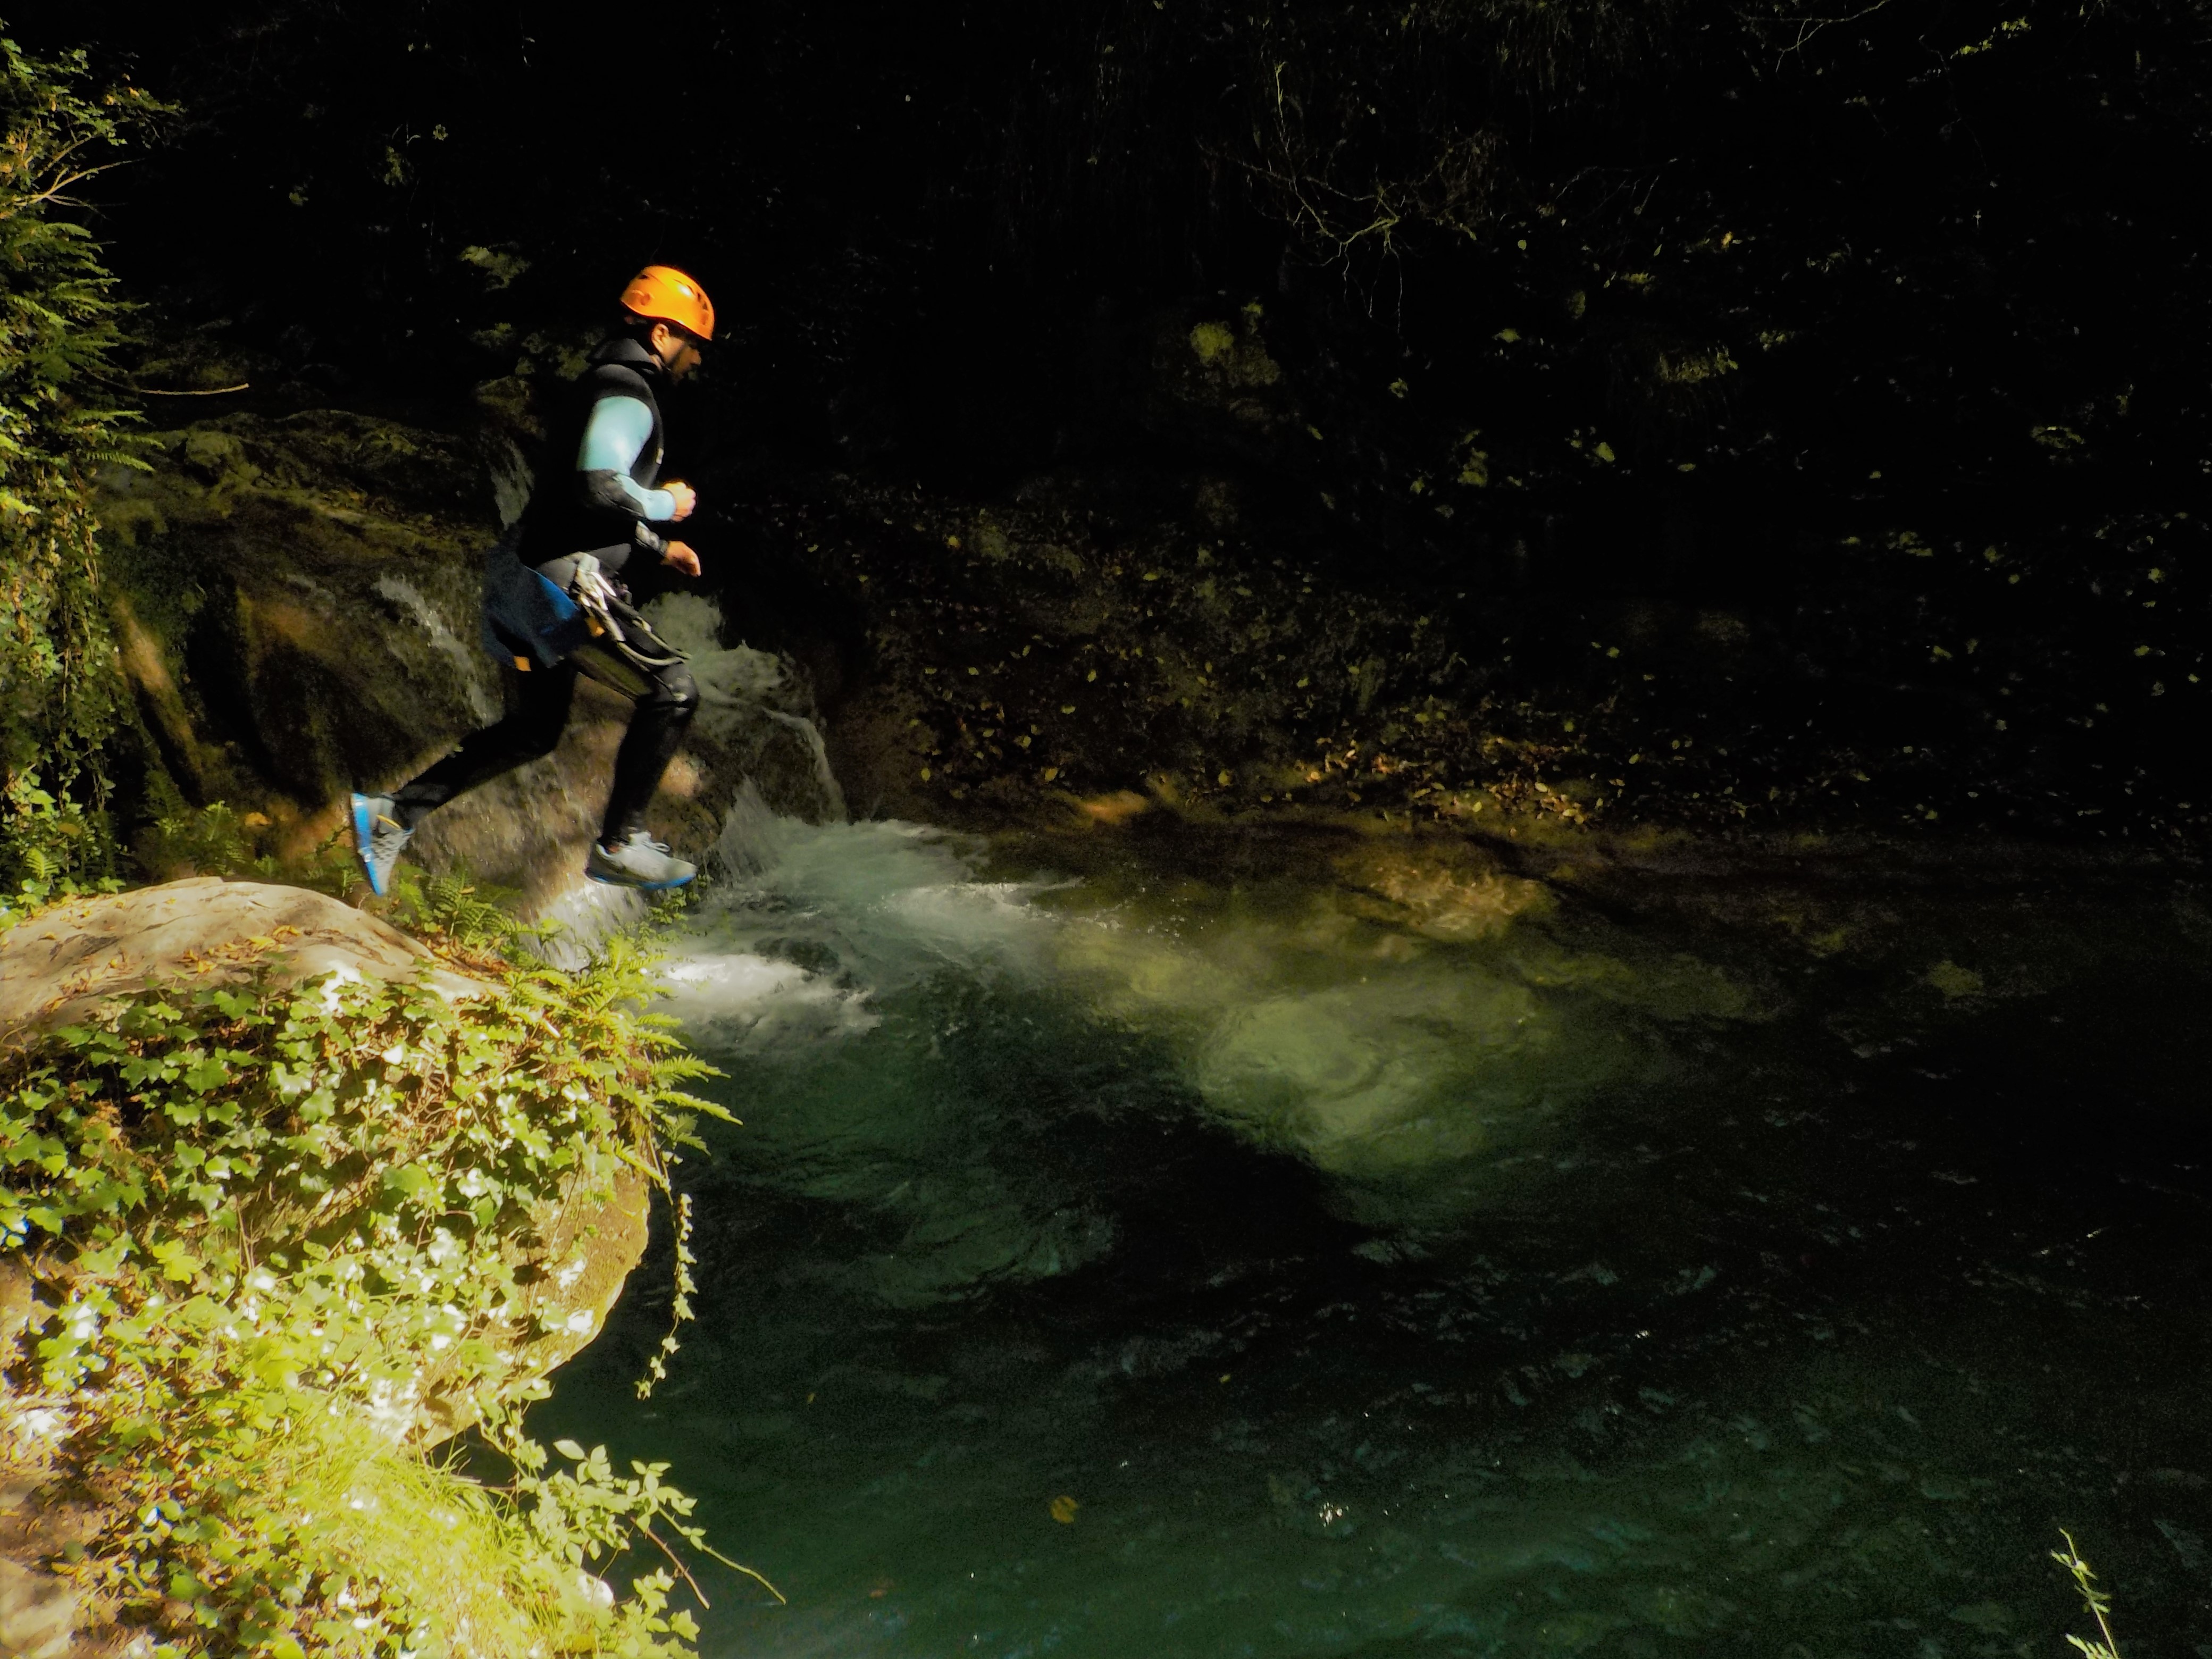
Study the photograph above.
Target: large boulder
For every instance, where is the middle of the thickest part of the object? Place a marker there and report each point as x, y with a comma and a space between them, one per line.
60, 967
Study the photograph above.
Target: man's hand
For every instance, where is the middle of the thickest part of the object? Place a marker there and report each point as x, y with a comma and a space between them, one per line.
678, 556
685, 498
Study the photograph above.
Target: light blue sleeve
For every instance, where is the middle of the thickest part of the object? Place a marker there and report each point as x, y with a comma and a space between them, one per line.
615, 433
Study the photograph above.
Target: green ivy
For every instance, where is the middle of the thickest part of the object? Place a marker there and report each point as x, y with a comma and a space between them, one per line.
61, 692
277, 1239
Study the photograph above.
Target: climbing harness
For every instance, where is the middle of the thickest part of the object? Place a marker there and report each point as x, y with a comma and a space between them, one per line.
613, 621
535, 618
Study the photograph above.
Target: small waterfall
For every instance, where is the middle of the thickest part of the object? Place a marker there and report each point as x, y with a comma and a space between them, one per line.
832, 793
468, 658
752, 837
511, 481
753, 711
735, 682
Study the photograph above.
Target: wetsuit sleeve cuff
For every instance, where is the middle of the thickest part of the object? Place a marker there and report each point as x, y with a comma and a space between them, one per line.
648, 540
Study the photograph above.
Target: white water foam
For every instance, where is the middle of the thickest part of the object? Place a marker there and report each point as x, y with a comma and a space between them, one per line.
585, 917
737, 685
1381, 1057
808, 925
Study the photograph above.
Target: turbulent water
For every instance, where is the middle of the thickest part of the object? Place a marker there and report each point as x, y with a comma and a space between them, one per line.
1196, 1243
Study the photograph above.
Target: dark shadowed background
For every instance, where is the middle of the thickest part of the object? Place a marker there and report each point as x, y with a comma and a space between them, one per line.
1826, 389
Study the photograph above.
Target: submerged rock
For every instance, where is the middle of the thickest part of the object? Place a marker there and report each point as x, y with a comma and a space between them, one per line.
1445, 890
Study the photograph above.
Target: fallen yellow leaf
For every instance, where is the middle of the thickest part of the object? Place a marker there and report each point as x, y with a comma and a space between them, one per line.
1063, 1510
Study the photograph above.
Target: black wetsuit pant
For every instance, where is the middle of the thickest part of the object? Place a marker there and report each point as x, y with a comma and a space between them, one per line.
666, 698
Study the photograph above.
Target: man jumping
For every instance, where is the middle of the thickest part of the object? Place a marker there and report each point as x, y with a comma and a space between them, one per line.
551, 608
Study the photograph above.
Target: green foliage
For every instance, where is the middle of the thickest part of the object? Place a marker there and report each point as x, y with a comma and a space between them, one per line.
46, 846
453, 907
45, 838
215, 840
209, 841
2095, 1599
60, 690
275, 1240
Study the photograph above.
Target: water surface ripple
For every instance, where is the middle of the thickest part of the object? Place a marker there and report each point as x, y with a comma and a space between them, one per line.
1192, 1244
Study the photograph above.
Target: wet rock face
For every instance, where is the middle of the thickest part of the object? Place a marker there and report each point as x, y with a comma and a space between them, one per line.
1088, 635
295, 602
1183, 612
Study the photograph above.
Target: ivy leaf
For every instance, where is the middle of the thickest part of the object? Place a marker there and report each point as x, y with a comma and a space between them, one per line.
408, 1183
103, 1261
209, 1071
176, 1262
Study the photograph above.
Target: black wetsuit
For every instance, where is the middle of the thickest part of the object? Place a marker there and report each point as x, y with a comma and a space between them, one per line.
572, 511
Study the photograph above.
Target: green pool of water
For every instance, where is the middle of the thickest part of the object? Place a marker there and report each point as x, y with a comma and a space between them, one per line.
1202, 1244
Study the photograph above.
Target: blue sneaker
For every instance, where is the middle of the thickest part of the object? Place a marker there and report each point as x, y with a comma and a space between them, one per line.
641, 862
378, 836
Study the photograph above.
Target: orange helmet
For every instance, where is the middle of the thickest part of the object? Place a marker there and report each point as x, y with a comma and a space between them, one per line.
667, 295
